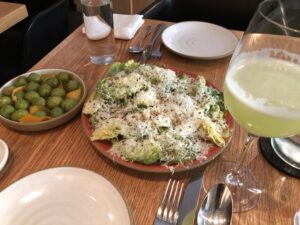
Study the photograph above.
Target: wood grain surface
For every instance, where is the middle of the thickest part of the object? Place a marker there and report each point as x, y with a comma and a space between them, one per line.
10, 14
67, 145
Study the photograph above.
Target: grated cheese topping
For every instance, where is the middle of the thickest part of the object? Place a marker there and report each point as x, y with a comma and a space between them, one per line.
152, 115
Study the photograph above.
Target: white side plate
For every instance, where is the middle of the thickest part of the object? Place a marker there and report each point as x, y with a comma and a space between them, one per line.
65, 196
3, 154
199, 40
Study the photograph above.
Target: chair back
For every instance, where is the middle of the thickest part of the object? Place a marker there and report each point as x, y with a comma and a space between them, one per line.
232, 14
45, 30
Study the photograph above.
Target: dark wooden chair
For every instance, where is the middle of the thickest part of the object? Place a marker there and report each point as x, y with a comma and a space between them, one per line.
47, 29
24, 45
232, 14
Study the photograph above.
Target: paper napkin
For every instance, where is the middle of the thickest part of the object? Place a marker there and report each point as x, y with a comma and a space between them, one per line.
125, 26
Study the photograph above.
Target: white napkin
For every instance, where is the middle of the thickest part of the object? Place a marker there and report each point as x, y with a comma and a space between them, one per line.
125, 26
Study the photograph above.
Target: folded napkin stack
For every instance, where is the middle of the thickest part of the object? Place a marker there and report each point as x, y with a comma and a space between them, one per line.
125, 26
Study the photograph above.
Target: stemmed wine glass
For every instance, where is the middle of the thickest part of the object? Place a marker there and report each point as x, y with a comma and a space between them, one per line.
262, 91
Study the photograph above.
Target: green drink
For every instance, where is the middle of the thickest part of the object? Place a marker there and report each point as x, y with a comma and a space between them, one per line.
263, 95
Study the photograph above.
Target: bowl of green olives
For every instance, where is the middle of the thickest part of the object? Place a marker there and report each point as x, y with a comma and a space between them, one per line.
41, 99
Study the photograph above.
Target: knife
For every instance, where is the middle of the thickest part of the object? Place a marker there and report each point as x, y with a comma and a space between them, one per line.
188, 206
147, 52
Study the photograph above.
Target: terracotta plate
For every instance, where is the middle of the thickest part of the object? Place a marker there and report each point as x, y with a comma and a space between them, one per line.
104, 148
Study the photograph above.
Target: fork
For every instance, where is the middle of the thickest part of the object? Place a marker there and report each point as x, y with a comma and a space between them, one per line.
156, 53
168, 209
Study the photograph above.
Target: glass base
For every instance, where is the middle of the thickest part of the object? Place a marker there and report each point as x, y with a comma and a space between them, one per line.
102, 60
288, 149
244, 188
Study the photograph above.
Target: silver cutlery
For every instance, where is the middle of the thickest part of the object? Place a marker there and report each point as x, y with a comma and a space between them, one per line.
156, 53
217, 207
138, 47
188, 206
297, 218
167, 213
147, 52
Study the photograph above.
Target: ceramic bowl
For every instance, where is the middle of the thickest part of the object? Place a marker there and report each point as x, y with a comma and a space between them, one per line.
53, 122
64, 196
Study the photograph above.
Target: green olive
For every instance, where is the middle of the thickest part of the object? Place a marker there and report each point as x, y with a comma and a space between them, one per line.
30, 95
5, 100
32, 86
56, 111
60, 92
34, 77
53, 101
6, 111
21, 81
7, 91
45, 90
52, 81
20, 95
40, 114
63, 76
18, 114
39, 101
68, 104
72, 85
22, 104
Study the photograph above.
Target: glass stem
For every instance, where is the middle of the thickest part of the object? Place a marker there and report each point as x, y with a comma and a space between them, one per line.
239, 163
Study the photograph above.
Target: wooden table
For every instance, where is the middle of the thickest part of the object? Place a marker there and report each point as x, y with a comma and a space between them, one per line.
67, 145
10, 14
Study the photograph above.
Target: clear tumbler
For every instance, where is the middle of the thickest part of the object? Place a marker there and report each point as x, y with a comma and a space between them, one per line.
98, 22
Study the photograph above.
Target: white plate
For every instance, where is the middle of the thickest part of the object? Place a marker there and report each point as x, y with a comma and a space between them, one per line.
4, 152
64, 196
199, 40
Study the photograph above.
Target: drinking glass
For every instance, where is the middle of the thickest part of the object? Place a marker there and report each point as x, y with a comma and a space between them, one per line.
98, 22
262, 91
